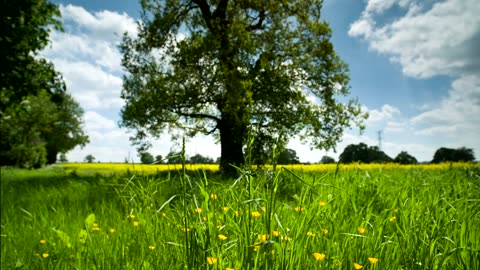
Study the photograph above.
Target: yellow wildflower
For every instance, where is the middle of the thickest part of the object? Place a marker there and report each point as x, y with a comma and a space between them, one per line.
204, 218
222, 237
151, 247
325, 231
323, 203
45, 255
237, 213
95, 229
136, 223
132, 216
373, 260
164, 214
256, 214
228, 268
112, 230
256, 246
276, 233
43, 242
357, 266
362, 230
263, 237
311, 234
298, 209
319, 256
211, 260
392, 219
95, 225
225, 208
214, 196
186, 229
198, 210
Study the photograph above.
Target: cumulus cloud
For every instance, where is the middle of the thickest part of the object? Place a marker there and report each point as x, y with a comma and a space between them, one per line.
387, 112
439, 39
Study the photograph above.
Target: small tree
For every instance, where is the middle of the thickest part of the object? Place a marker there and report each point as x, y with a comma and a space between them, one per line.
146, 158
404, 158
174, 158
327, 160
199, 159
63, 158
89, 158
288, 156
158, 159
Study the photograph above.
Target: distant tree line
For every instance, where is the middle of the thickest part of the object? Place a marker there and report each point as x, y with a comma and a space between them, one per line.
352, 153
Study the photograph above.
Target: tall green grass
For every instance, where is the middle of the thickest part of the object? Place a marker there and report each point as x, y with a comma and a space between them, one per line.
407, 219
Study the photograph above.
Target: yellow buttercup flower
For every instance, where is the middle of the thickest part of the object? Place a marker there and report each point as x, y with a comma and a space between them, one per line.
311, 234
325, 231
214, 196
357, 266
237, 213
276, 233
222, 237
298, 209
323, 203
43, 242
204, 218
151, 247
132, 216
392, 219
256, 214
96, 229
186, 230
228, 268
225, 208
362, 230
211, 260
136, 223
45, 255
198, 210
373, 260
112, 230
95, 225
164, 214
319, 256
263, 237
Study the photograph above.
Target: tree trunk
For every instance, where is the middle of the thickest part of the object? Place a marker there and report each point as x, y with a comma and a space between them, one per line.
232, 133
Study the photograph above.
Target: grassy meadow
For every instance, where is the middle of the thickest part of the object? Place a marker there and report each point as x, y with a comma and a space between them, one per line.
117, 216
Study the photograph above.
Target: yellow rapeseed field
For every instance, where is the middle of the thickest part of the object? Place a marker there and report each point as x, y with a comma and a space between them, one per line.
120, 168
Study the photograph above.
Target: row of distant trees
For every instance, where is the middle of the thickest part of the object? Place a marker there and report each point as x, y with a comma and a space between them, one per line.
352, 153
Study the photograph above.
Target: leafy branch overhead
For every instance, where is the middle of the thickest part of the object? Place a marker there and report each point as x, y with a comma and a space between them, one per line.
222, 67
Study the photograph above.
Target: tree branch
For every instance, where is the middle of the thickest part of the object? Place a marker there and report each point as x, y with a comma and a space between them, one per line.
205, 9
259, 24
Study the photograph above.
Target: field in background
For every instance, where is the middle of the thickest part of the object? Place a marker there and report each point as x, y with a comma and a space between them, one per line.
113, 216
128, 168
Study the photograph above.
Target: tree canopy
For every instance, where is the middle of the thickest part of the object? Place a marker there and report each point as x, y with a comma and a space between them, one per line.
146, 158
361, 152
38, 118
444, 154
405, 158
223, 67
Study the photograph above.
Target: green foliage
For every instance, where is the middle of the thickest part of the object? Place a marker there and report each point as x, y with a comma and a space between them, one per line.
362, 153
89, 158
447, 154
146, 158
288, 156
38, 119
174, 158
199, 159
404, 158
63, 158
327, 160
158, 159
237, 64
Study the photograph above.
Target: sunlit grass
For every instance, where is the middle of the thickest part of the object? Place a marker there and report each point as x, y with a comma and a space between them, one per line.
368, 218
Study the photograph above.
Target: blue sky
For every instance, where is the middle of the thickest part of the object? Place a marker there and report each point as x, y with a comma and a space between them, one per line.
414, 66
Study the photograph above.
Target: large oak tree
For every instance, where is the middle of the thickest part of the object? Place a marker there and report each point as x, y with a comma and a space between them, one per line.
223, 66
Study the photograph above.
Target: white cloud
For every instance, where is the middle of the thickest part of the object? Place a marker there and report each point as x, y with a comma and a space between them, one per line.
438, 41
387, 112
